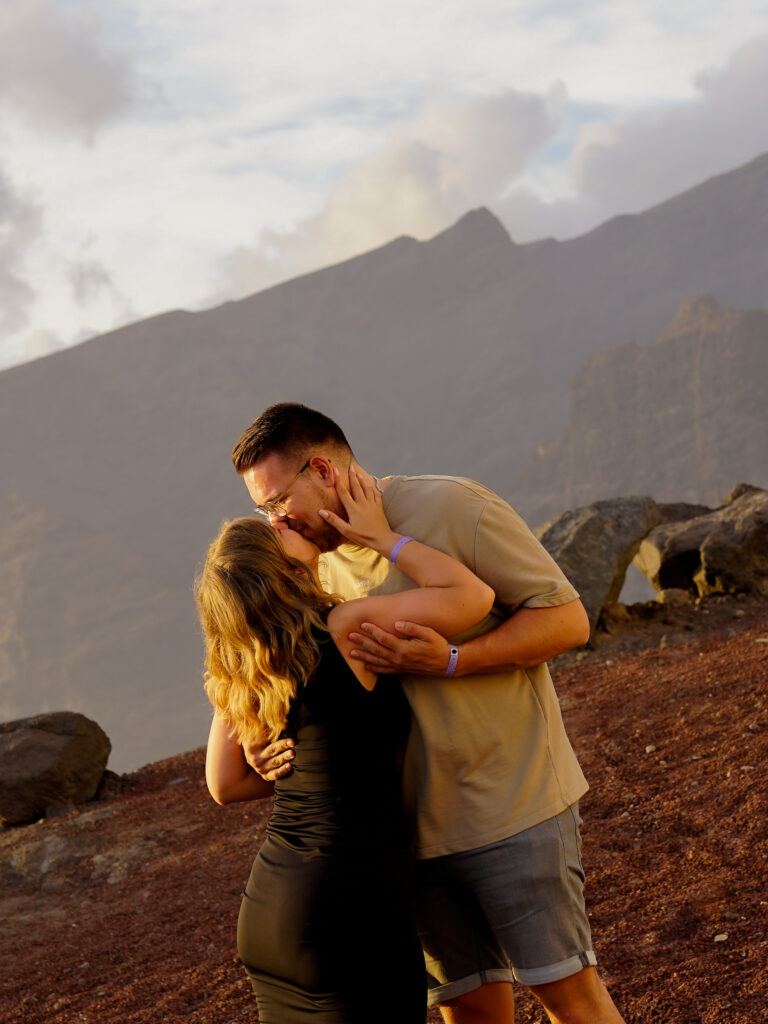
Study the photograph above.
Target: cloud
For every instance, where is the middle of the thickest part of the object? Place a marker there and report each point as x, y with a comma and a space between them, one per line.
61, 76
93, 288
455, 153
628, 164
56, 69
41, 343
641, 160
19, 225
519, 154
528, 217
88, 279
289, 137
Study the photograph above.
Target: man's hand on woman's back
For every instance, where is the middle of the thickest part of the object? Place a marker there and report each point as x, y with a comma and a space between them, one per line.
272, 762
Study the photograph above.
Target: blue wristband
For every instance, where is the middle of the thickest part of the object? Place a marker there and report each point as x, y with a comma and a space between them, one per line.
396, 549
452, 661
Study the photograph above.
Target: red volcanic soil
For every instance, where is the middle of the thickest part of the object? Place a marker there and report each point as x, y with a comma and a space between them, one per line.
124, 910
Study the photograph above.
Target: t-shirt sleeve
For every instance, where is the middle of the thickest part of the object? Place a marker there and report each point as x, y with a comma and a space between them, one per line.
510, 559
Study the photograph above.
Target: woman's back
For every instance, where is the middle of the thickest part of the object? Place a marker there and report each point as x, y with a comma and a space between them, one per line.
344, 790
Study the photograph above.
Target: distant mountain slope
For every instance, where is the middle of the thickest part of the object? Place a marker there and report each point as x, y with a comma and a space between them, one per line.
682, 420
453, 355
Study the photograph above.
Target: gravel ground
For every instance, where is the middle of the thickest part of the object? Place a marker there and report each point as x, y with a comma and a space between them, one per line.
124, 910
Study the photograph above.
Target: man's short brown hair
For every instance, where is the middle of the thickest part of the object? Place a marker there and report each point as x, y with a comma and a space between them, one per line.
287, 428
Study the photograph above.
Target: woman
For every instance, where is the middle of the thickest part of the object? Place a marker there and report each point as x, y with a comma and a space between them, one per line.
325, 919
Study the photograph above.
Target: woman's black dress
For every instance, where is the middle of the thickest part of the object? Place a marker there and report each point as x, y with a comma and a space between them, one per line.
325, 929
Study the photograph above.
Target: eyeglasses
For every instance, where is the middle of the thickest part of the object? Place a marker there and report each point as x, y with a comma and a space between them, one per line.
275, 509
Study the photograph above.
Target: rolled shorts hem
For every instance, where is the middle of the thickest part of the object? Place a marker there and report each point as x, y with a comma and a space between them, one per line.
454, 989
556, 972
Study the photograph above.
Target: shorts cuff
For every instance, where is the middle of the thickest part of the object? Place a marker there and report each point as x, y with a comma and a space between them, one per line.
556, 972
453, 989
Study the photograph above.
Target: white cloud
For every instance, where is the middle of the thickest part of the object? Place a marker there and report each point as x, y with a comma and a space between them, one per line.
19, 224
529, 217
91, 283
283, 135
625, 164
88, 279
63, 80
457, 152
454, 154
55, 68
637, 161
41, 343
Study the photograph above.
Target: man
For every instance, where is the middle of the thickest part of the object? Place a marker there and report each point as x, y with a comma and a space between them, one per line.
489, 774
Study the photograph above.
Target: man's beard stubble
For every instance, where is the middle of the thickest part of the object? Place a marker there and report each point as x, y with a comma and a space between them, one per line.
324, 537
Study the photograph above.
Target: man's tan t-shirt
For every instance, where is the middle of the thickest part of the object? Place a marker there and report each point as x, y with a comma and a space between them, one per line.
487, 755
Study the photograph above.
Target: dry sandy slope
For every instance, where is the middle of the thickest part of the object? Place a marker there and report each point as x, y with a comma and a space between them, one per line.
124, 910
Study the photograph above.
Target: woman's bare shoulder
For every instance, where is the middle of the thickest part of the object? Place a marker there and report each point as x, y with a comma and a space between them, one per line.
344, 615
341, 619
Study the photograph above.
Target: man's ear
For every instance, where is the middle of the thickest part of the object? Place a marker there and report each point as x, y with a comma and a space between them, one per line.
324, 469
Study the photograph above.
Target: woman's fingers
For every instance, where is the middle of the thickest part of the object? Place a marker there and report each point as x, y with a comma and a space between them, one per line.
336, 521
365, 487
363, 520
343, 491
358, 494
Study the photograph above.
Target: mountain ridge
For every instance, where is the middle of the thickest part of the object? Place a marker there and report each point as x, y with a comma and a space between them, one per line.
449, 356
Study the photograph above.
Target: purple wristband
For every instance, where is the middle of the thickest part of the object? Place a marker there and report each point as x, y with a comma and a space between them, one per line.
452, 661
396, 549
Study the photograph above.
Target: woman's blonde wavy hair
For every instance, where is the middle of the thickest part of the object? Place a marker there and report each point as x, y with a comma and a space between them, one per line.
257, 607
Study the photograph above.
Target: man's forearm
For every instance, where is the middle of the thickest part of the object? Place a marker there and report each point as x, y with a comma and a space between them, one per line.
531, 636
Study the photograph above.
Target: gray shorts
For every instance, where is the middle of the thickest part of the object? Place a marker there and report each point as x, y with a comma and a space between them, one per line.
518, 903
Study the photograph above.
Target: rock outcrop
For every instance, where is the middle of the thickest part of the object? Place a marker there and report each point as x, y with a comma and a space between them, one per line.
680, 419
595, 544
47, 762
681, 511
723, 551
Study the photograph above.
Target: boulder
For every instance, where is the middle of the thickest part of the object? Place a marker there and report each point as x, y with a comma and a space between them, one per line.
47, 762
677, 511
593, 545
674, 598
723, 551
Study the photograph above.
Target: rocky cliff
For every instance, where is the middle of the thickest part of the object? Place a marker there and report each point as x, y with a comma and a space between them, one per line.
681, 419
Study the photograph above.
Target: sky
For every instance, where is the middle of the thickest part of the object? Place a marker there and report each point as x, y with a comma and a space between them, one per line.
166, 154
